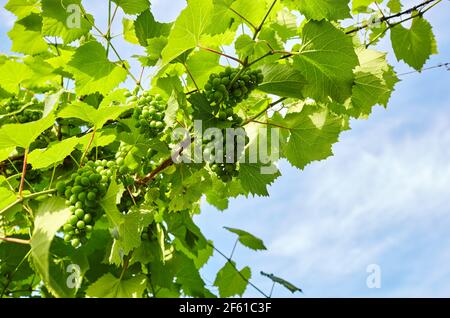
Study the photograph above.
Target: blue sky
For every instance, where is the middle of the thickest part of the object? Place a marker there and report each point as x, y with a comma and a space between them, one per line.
384, 198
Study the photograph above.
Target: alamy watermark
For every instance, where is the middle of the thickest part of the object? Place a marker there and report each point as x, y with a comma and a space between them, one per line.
374, 278
74, 279
73, 20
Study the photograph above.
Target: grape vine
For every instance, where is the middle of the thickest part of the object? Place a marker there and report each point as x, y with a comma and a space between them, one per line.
91, 172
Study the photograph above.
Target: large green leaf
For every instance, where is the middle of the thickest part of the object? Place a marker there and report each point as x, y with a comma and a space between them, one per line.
56, 15
188, 28
146, 28
56, 152
359, 6
22, 135
129, 234
373, 82
6, 197
247, 239
13, 75
26, 35
92, 70
312, 134
255, 177
109, 286
414, 45
282, 80
51, 215
232, 282
22, 8
87, 113
109, 204
324, 9
326, 60
133, 6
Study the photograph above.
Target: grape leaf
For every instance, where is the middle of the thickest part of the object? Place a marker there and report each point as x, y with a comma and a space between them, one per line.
313, 132
248, 239
187, 30
360, 6
56, 15
6, 197
282, 282
147, 28
97, 117
414, 45
110, 201
51, 215
133, 6
395, 6
22, 135
13, 75
253, 11
326, 60
202, 64
285, 24
371, 85
129, 234
129, 32
255, 177
282, 80
22, 8
92, 70
324, 9
26, 35
56, 152
109, 286
187, 275
231, 282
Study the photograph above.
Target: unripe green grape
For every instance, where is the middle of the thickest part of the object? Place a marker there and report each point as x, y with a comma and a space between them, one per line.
81, 225
68, 227
61, 187
73, 220
87, 218
75, 242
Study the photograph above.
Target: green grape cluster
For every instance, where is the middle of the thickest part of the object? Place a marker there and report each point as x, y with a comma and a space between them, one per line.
83, 193
149, 113
31, 111
227, 168
230, 87
121, 154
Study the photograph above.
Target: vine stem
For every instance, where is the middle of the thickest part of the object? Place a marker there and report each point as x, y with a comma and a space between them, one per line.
91, 140
108, 32
264, 110
392, 25
24, 172
15, 240
124, 66
243, 18
234, 248
222, 54
27, 197
191, 76
237, 271
387, 18
259, 28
